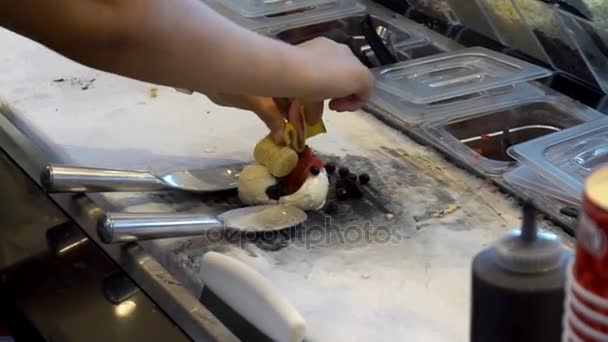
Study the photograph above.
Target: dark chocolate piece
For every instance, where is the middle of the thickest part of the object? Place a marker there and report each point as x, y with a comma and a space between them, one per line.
344, 172
274, 192
330, 168
341, 193
364, 179
570, 212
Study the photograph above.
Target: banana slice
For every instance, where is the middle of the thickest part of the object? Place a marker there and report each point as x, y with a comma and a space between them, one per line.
280, 160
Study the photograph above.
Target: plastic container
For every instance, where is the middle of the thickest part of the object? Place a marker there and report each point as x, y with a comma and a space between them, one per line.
525, 177
265, 8
413, 114
450, 75
260, 15
404, 40
512, 28
473, 16
482, 138
544, 21
591, 40
568, 157
597, 10
438, 9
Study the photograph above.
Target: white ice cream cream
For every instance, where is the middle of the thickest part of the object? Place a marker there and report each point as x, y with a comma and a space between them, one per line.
255, 179
311, 195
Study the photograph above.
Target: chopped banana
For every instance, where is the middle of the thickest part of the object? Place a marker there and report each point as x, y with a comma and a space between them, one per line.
280, 160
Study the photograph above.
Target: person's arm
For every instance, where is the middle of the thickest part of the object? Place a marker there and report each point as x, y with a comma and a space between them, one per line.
185, 44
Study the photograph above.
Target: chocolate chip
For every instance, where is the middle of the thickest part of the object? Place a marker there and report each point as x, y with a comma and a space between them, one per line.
354, 191
570, 211
352, 177
341, 193
314, 170
274, 192
331, 208
364, 178
344, 172
330, 168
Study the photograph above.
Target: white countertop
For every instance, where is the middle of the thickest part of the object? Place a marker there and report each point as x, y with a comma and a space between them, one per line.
415, 288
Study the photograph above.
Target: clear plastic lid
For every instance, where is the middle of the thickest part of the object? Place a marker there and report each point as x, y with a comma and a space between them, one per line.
591, 40
261, 8
544, 21
438, 9
524, 177
417, 114
453, 74
567, 157
473, 16
512, 28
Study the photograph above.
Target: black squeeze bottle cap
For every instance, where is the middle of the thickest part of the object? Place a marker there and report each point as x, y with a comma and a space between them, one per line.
518, 286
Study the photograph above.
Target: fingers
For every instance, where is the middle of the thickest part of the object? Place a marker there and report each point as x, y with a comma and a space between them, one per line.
314, 111
347, 104
295, 117
282, 104
268, 111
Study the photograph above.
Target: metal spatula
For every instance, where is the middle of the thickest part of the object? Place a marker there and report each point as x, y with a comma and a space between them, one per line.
59, 178
124, 227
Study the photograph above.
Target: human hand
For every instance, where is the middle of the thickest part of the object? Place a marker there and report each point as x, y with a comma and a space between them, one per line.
336, 74
274, 112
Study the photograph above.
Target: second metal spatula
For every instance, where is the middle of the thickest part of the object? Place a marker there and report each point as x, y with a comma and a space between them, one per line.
58, 178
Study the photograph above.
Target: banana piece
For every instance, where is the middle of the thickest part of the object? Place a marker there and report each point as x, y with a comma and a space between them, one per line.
280, 160
291, 134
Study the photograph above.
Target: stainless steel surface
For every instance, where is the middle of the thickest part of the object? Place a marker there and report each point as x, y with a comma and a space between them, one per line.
33, 155
125, 227
59, 178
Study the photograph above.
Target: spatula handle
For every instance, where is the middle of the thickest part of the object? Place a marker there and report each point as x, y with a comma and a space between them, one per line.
125, 227
59, 178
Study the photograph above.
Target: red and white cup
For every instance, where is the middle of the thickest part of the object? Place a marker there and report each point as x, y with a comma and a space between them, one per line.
585, 313
586, 304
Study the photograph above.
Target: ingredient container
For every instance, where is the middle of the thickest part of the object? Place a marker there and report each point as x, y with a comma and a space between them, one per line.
404, 40
524, 177
591, 41
544, 21
511, 27
262, 14
471, 15
568, 157
453, 74
482, 138
439, 10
